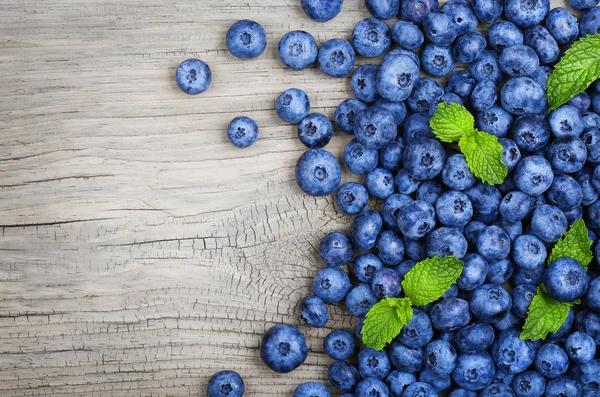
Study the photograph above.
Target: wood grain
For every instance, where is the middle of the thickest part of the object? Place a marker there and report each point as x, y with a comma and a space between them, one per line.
140, 251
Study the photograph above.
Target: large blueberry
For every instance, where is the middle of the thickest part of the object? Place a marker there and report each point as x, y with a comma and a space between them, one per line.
375, 128
450, 314
226, 384
416, 219
318, 172
473, 371
424, 158
292, 105
522, 95
246, 39
322, 11
336, 57
283, 348
397, 75
298, 49
490, 302
193, 76
371, 37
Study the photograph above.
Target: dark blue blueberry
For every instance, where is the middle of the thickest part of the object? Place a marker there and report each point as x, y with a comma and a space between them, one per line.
298, 49
440, 357
485, 200
494, 120
497, 389
500, 271
390, 157
450, 314
416, 219
311, 389
417, 125
584, 178
544, 45
563, 386
530, 133
591, 138
525, 276
483, 95
437, 60
314, 311
390, 210
415, 249
565, 192
398, 381
562, 25
526, 13
415, 11
474, 272
193, 76
529, 252
390, 250
343, 376
522, 295
548, 223
283, 348
364, 82
473, 371
541, 75
511, 154
292, 105
474, 338
242, 131
592, 295
565, 121
454, 209
490, 302
488, 11
581, 102
456, 174
371, 387
551, 361
397, 75
371, 37
522, 95
360, 299
386, 283
529, 384
336, 249
246, 39
398, 109
511, 353
566, 280
461, 82
440, 28
493, 243
406, 359
315, 131
580, 347
336, 57
383, 9
590, 22
425, 92
365, 229
405, 183
430, 191
352, 198
519, 61
380, 183
463, 15
226, 384
373, 363
420, 389
407, 35
318, 172
424, 158
568, 154
366, 266
405, 266
346, 113
534, 175
322, 11
583, 4
360, 159
573, 214
331, 285
418, 332
504, 34
469, 47
375, 128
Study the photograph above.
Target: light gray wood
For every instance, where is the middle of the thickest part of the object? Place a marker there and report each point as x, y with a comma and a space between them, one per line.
140, 251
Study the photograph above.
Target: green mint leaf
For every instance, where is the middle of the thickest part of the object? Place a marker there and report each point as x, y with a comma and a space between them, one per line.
385, 320
451, 121
428, 280
574, 244
576, 70
545, 315
483, 153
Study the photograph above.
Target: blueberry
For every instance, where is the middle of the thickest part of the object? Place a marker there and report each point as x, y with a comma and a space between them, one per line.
424, 158
588, 322
418, 332
585, 180
490, 302
365, 229
352, 198
483, 96
485, 200
415, 249
497, 389
541, 75
493, 243
340, 345
283, 348
425, 92
386, 283
360, 299
440, 357
469, 47
566, 280
526, 13
391, 209
529, 384
473, 371
525, 276
500, 271
568, 154
591, 138
366, 267
246, 39
522, 295
474, 272
437, 60
322, 11
565, 192
193, 76
390, 248
415, 11
590, 22
581, 102
456, 174
343, 376
346, 113
390, 157
512, 354
416, 219
404, 358
516, 206
548, 223
371, 387
331, 285
336, 249
420, 389
315, 131
226, 384
454, 209
562, 25
314, 311
292, 105
405, 266
360, 159
398, 381
565, 121
440, 28
461, 82
298, 49
405, 183
583, 4
318, 172
504, 34
430, 191
590, 120
522, 95
311, 389
438, 382
380, 183
488, 11
551, 361
398, 109
397, 75
544, 45
450, 314
494, 120
383, 9
529, 252
375, 128
474, 338
534, 175
519, 61
242, 131
592, 295
417, 125
563, 386
364, 82
463, 15
372, 363
580, 347
371, 37
336, 57
407, 35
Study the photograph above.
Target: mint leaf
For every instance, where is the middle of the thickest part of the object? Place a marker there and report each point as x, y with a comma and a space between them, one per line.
385, 320
575, 71
451, 121
574, 244
428, 280
545, 315
483, 153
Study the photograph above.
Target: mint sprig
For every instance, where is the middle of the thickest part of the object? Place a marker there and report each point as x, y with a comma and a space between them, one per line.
426, 282
577, 69
483, 152
574, 244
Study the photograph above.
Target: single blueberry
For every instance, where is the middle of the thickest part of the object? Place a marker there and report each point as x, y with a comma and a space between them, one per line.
519, 61
315, 131
548, 223
360, 299
246, 39
544, 45
365, 229
530, 133
474, 338
292, 105
522, 95
318, 172
415, 11
226, 384
352, 198
511, 353
364, 82
360, 159
526, 13
311, 389
488, 11
298, 49
562, 25
331, 285
371, 37
440, 28
551, 361
383, 9
242, 131
474, 272
461, 82
437, 60
366, 266
375, 128
346, 113
490, 302
390, 157
193, 76
504, 34
568, 154
380, 183
468, 48
283, 348
336, 57
473, 371
397, 75
343, 376
407, 35
529, 252
322, 11
566, 280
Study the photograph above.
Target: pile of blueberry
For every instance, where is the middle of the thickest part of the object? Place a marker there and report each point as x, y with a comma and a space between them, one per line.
419, 199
